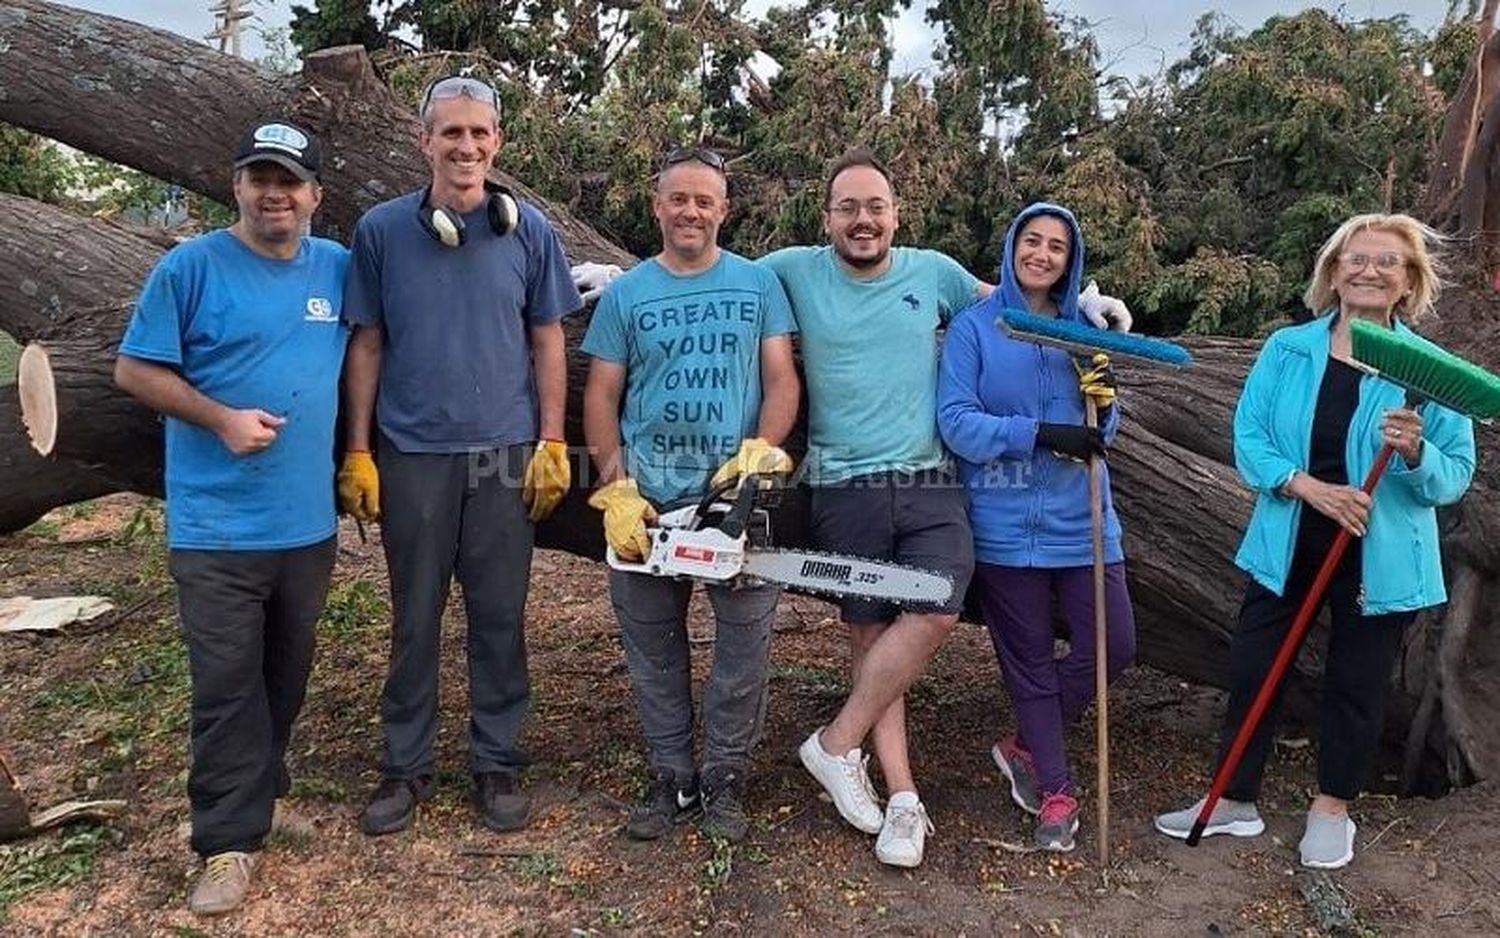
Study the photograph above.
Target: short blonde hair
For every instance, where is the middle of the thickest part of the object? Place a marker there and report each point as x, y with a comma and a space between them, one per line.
1422, 263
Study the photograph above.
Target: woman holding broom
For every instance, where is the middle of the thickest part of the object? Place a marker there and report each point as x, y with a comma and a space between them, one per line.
1307, 429
1013, 413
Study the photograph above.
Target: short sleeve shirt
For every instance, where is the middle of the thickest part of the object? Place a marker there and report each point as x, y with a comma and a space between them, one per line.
248, 331
455, 368
690, 346
870, 356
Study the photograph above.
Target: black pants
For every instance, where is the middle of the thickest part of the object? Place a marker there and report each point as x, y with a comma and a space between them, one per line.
445, 514
247, 619
1361, 651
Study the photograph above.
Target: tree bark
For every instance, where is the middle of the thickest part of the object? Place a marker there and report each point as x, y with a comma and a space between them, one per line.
173, 108
176, 109
1460, 197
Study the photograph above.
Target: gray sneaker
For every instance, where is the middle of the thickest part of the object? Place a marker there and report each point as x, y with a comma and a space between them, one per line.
1237, 818
1328, 842
225, 880
1016, 765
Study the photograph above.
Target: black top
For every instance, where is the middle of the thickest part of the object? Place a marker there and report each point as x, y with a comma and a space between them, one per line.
1338, 396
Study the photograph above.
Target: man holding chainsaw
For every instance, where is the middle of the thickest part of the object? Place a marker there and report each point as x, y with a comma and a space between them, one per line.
692, 384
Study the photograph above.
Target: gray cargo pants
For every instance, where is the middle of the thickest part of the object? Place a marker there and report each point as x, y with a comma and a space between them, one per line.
652, 612
445, 514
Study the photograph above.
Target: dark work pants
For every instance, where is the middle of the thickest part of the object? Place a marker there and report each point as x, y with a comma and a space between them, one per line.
444, 514
247, 619
1361, 651
652, 612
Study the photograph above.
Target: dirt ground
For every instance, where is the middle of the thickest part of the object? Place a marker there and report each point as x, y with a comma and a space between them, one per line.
101, 710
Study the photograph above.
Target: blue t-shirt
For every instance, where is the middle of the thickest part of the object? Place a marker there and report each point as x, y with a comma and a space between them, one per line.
870, 357
455, 369
691, 350
248, 331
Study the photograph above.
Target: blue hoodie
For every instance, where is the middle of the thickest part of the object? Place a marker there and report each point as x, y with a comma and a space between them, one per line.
1028, 507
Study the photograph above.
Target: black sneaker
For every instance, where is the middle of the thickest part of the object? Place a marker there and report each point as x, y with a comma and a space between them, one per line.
501, 804
394, 804
665, 805
723, 815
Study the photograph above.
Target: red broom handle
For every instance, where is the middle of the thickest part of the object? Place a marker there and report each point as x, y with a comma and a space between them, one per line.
1284, 656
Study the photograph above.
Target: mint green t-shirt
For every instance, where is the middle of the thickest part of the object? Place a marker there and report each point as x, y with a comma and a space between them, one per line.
870, 356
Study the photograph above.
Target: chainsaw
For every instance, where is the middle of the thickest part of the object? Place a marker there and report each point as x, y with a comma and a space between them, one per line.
726, 539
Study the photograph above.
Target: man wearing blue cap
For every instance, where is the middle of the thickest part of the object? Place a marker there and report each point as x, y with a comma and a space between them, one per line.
236, 339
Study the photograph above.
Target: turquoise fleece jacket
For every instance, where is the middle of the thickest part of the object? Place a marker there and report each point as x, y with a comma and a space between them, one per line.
1027, 506
1402, 569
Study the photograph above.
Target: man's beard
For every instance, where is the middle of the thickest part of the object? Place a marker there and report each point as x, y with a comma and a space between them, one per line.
865, 263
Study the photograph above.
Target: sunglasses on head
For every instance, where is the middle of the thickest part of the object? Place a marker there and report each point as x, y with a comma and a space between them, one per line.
461, 86
689, 154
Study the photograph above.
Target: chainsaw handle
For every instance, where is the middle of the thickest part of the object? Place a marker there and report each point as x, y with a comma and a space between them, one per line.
735, 522
744, 501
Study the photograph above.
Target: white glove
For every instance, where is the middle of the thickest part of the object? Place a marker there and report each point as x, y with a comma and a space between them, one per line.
591, 278
1105, 312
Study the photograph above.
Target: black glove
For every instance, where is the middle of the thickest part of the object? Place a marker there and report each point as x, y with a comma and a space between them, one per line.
1070, 439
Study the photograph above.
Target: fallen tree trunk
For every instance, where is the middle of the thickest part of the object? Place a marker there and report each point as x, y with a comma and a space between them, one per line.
175, 109
1180, 500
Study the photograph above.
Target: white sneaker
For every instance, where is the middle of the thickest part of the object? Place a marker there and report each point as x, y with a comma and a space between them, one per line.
1328, 841
904, 834
1237, 818
846, 782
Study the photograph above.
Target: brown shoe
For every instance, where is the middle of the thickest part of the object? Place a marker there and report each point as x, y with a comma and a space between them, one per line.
500, 802
225, 880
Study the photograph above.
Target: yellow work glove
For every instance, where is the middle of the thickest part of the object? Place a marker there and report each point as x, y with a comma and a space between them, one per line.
548, 475
755, 456
1096, 379
625, 517
359, 486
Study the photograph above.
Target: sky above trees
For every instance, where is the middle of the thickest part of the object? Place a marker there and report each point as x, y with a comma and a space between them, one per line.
1134, 38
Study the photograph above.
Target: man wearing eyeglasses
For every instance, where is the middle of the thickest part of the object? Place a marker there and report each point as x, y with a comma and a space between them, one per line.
695, 343
882, 485
456, 383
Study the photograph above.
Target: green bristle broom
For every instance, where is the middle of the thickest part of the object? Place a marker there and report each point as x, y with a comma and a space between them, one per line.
1086, 339
1428, 373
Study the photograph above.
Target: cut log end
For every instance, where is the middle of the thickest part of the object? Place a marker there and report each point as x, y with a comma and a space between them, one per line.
38, 392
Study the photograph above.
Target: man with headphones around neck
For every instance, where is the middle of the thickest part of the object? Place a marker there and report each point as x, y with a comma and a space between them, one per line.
455, 384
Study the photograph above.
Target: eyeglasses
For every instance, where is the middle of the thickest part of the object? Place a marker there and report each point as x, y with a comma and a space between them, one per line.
694, 154
460, 86
1387, 260
849, 208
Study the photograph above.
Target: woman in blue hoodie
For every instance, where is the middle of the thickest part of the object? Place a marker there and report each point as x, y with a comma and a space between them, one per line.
1306, 431
1013, 414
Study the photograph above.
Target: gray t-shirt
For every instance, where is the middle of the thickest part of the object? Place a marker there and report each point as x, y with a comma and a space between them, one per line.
455, 372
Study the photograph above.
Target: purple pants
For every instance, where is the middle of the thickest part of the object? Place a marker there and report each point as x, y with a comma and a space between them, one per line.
1049, 693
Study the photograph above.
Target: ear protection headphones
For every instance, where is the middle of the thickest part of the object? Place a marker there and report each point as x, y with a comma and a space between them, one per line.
447, 227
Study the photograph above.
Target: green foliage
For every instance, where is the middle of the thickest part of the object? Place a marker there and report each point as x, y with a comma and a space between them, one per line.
334, 23
353, 607
1451, 51
33, 166
50, 863
1203, 193
10, 355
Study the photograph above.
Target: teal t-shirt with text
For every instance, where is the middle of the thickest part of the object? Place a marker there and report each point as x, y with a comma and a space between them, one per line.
690, 346
870, 357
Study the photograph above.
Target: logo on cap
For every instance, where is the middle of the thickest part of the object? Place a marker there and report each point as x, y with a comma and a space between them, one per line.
281, 137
